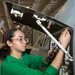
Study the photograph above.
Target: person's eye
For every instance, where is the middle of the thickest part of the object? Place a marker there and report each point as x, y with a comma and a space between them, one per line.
20, 39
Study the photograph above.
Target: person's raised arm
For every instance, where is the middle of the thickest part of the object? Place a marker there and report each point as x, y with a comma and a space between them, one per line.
64, 40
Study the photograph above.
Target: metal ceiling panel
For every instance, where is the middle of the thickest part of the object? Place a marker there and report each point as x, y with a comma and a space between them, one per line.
29, 17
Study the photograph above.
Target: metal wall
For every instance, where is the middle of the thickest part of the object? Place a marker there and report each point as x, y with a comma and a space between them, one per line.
67, 16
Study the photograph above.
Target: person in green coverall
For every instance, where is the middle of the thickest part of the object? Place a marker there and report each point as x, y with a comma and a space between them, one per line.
18, 63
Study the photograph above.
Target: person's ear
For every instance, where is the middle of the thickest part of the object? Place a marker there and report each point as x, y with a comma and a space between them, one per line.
9, 43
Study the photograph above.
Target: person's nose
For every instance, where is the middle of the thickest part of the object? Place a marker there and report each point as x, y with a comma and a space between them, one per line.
24, 41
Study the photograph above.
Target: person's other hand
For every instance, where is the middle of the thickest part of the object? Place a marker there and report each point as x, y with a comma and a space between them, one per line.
47, 55
65, 38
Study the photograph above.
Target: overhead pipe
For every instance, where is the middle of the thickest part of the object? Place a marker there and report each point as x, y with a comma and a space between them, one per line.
39, 5
50, 8
10, 25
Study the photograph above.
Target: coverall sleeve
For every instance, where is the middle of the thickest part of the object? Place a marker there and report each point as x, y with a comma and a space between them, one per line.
35, 61
17, 69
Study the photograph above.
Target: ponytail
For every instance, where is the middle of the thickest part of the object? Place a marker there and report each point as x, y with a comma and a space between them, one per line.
4, 51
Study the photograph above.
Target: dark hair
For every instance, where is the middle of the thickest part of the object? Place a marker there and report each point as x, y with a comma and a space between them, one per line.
5, 50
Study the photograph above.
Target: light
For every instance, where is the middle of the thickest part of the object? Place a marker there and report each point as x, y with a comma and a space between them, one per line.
27, 7
18, 26
1, 31
1, 24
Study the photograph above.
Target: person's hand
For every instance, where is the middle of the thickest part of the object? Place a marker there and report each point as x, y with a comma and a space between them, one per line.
65, 38
47, 55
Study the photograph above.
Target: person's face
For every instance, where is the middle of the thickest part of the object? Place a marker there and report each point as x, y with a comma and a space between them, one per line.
18, 41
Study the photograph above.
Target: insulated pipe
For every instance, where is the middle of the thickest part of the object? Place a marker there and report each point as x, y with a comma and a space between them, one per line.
50, 8
39, 5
